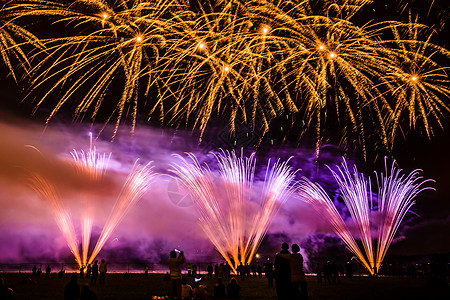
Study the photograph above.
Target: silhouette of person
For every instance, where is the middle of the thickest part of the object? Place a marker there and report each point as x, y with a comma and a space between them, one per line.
87, 293
94, 273
219, 289
33, 271
61, 272
194, 270
175, 273
72, 289
282, 273
335, 272
233, 289
349, 270
268, 272
82, 272
146, 270
186, 290
210, 271
47, 271
189, 269
216, 271
327, 272
88, 271
103, 269
298, 278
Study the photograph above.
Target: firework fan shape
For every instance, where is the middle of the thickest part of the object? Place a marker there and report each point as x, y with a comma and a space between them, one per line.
227, 216
94, 165
376, 218
186, 62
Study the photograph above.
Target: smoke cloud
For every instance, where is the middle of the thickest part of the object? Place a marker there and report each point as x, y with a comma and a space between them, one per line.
162, 220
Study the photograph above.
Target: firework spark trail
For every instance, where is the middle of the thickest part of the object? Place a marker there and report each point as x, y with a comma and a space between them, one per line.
136, 184
313, 194
396, 193
396, 196
95, 164
235, 229
48, 193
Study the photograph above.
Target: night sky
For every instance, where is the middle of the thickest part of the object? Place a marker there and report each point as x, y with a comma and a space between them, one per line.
424, 232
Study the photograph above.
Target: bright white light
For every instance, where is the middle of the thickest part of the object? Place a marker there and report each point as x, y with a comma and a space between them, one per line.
201, 46
414, 78
321, 47
226, 69
105, 16
332, 55
139, 38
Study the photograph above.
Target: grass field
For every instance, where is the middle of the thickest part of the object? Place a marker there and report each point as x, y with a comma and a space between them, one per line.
140, 287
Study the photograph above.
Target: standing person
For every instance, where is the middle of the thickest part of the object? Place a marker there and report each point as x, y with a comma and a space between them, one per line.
268, 272
298, 278
146, 270
282, 273
72, 289
194, 270
175, 273
210, 271
103, 269
94, 273
216, 271
89, 271
82, 272
47, 271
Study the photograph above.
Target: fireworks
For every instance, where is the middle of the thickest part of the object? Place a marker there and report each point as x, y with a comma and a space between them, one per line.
376, 218
47, 192
224, 203
247, 61
95, 165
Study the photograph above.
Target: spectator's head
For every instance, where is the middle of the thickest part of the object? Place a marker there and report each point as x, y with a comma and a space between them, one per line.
173, 253
295, 248
233, 281
103, 260
96, 262
184, 280
74, 278
285, 246
195, 285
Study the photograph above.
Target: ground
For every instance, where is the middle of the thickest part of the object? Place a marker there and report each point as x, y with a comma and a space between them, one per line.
140, 287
